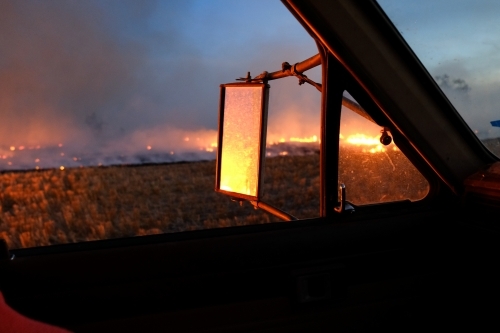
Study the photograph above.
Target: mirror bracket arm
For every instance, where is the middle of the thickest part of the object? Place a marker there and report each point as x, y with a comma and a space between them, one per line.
273, 210
302, 78
289, 70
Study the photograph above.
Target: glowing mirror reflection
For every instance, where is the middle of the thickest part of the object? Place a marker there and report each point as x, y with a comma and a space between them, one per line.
243, 134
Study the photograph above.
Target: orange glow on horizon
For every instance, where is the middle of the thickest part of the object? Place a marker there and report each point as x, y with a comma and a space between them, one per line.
206, 142
370, 144
359, 139
313, 138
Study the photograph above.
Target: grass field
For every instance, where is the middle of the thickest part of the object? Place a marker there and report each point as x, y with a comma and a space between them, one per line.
52, 206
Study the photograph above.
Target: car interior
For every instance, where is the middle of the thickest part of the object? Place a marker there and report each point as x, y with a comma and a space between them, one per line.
399, 266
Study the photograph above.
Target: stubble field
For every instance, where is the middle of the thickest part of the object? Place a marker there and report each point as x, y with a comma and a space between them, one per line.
48, 207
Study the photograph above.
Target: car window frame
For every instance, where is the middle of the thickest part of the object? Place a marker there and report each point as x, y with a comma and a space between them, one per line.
337, 77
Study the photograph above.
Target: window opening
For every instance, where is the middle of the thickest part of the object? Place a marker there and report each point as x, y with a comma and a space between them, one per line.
374, 172
109, 117
291, 178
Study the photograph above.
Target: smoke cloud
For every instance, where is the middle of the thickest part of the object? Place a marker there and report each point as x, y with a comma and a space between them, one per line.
448, 83
477, 102
105, 82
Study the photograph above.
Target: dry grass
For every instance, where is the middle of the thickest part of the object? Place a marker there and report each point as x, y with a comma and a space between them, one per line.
52, 206
380, 177
82, 204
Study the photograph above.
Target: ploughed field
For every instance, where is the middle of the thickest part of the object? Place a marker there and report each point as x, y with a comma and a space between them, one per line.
46, 207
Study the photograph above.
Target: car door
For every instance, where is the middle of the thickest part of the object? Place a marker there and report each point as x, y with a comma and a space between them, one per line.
395, 265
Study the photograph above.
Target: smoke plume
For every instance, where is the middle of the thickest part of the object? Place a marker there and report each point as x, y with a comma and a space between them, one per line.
105, 82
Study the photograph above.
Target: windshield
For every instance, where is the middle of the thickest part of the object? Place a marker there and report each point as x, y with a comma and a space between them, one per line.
458, 43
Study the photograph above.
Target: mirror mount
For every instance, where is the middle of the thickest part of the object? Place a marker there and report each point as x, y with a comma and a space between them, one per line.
344, 206
289, 70
242, 134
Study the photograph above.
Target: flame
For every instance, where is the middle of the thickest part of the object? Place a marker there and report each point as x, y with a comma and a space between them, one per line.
203, 141
359, 139
226, 188
238, 177
372, 143
242, 190
239, 189
307, 139
313, 138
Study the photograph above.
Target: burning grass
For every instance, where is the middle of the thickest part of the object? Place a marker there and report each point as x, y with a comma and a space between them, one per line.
55, 206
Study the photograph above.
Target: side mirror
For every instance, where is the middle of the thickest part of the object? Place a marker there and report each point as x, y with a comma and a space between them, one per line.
242, 134
242, 139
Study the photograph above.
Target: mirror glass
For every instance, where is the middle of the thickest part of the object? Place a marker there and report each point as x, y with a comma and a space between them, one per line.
243, 117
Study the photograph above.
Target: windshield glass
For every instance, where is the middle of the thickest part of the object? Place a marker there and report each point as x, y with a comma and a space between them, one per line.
458, 43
